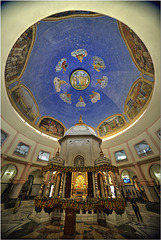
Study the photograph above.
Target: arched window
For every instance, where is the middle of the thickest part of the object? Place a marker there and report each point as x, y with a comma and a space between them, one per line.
79, 161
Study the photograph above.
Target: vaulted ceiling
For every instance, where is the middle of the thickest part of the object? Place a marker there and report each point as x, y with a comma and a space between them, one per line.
113, 80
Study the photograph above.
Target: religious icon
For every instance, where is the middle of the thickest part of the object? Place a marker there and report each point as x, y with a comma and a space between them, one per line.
62, 65
94, 97
98, 63
80, 79
102, 81
81, 102
66, 97
79, 54
57, 83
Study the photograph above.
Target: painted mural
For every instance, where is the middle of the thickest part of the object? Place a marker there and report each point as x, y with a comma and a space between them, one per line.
66, 97
98, 63
19, 54
62, 65
95, 96
137, 98
25, 102
80, 182
81, 102
137, 49
51, 126
102, 81
79, 54
80, 79
110, 125
58, 83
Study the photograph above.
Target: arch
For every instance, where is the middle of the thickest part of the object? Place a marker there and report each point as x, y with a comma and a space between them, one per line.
15, 165
154, 172
79, 161
8, 172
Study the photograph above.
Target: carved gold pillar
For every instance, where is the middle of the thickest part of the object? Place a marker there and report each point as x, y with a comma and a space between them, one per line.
61, 185
96, 186
48, 183
54, 183
108, 185
117, 187
42, 184
104, 184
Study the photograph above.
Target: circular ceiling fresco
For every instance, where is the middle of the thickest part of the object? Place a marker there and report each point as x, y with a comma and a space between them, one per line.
76, 63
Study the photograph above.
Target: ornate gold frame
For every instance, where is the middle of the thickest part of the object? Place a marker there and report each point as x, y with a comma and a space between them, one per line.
82, 71
15, 106
27, 59
52, 135
118, 130
122, 34
142, 79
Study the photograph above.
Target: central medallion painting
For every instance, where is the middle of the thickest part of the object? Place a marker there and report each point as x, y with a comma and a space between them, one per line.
80, 79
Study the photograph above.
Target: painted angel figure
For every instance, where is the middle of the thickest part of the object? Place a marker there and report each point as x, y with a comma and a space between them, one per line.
81, 102
102, 81
66, 97
98, 63
94, 97
79, 54
57, 84
62, 65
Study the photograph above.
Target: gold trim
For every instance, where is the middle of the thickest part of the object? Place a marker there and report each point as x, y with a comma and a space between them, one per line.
82, 123
71, 16
147, 102
9, 91
27, 58
116, 131
83, 88
29, 52
52, 135
131, 53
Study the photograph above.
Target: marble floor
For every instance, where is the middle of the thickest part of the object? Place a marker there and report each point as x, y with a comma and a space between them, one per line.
19, 226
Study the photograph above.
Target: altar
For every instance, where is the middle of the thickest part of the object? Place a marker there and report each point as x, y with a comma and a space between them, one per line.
80, 177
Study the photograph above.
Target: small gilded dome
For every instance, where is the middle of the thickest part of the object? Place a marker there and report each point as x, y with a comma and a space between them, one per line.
80, 128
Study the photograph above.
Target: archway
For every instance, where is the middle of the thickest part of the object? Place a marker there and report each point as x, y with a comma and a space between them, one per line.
8, 173
128, 176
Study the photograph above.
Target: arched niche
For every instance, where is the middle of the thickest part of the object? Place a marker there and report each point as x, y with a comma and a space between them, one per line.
155, 173
78, 161
8, 173
130, 186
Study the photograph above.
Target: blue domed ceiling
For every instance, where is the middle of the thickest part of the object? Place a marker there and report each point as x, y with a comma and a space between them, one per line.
79, 63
